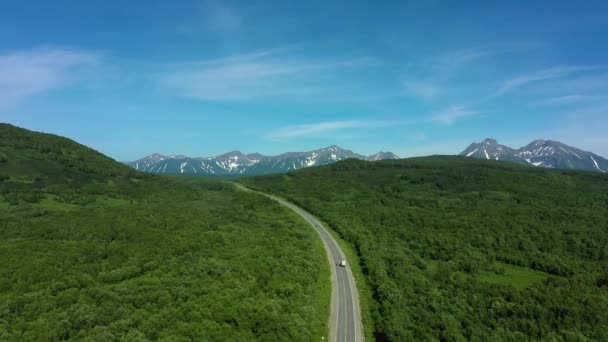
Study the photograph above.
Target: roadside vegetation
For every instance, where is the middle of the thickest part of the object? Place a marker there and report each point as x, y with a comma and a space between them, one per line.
459, 249
93, 250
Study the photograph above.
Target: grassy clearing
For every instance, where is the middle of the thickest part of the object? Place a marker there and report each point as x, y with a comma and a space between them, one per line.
112, 202
516, 276
24, 180
499, 273
52, 202
3, 203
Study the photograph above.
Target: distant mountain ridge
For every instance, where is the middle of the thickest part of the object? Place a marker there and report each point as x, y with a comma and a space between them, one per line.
237, 163
541, 153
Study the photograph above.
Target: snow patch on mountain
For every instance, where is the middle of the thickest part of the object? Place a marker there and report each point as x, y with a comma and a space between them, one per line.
595, 164
470, 153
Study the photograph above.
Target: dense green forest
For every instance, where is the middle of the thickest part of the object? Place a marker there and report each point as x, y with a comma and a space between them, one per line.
93, 250
459, 249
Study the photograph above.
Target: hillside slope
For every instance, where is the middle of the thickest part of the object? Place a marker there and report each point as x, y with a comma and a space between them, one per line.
456, 248
94, 250
48, 159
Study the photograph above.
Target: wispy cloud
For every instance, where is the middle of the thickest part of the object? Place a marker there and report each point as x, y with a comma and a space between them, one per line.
424, 90
447, 69
26, 73
538, 76
220, 18
591, 113
465, 56
452, 114
594, 84
216, 17
564, 100
262, 74
322, 127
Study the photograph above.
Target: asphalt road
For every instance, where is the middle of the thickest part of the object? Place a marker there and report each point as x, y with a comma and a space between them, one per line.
345, 318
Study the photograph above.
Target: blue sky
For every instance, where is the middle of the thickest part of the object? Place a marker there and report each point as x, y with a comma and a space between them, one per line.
201, 78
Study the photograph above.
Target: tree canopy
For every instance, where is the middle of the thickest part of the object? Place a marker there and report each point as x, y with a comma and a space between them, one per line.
460, 249
93, 250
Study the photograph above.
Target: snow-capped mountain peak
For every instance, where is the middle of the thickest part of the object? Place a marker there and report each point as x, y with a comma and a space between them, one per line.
382, 155
542, 153
145, 162
488, 149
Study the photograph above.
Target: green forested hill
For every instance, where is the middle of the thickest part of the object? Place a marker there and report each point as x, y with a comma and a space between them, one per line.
93, 250
460, 249
27, 155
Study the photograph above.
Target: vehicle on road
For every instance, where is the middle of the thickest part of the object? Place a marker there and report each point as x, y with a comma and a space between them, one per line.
342, 263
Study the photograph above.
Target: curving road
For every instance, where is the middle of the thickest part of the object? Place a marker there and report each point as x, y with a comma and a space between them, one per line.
345, 318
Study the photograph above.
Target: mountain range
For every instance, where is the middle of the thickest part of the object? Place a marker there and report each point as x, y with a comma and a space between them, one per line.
237, 163
541, 153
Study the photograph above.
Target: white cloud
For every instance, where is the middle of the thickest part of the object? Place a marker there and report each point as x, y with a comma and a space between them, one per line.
538, 76
26, 73
258, 75
452, 114
424, 90
320, 127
